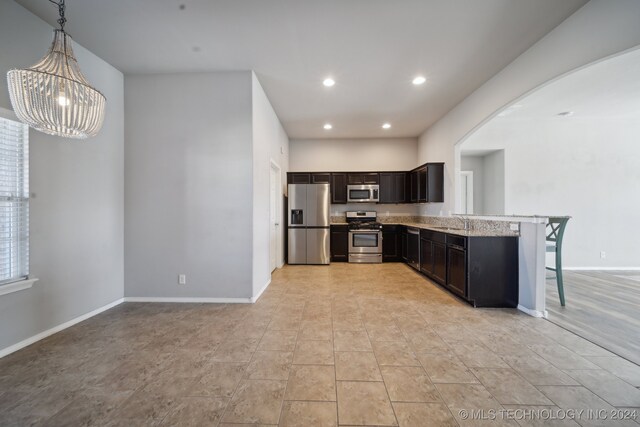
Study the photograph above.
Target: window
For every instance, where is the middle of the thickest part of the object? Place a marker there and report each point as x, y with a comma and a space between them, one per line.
14, 201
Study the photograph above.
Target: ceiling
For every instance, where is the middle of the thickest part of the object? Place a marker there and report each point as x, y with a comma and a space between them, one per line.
372, 48
609, 89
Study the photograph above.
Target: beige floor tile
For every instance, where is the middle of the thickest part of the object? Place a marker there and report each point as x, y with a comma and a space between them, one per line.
311, 382
93, 407
477, 356
538, 371
384, 332
425, 341
348, 325
256, 402
409, 384
196, 412
316, 332
270, 365
144, 406
466, 401
307, 414
221, 380
562, 358
621, 368
364, 403
579, 398
278, 341
394, 353
446, 368
313, 353
423, 415
351, 341
357, 366
609, 387
235, 350
510, 388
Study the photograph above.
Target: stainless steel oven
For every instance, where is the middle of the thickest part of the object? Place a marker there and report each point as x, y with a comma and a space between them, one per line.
365, 246
369, 193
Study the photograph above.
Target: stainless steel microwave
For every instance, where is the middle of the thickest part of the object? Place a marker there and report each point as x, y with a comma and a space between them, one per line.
363, 193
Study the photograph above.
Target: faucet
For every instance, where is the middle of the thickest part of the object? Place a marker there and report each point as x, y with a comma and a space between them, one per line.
465, 222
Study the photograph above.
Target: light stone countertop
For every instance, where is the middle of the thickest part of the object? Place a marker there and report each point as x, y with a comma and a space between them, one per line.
478, 228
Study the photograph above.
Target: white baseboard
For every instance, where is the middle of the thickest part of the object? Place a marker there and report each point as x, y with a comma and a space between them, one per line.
190, 300
256, 296
534, 313
55, 329
602, 268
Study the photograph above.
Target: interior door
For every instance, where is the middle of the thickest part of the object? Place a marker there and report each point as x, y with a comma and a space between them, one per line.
273, 215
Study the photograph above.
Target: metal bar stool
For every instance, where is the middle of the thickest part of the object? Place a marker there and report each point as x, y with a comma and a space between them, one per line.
555, 233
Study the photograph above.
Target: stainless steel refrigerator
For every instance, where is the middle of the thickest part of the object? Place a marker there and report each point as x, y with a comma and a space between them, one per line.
308, 218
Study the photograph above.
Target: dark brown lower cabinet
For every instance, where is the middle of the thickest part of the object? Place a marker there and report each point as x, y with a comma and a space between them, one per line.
457, 270
390, 246
339, 243
439, 262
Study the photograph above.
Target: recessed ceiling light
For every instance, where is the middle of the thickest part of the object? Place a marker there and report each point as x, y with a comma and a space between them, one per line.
386, 126
419, 80
328, 82
565, 114
328, 126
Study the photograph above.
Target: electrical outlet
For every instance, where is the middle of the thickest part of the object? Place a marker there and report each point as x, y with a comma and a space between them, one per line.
514, 226
603, 254
182, 279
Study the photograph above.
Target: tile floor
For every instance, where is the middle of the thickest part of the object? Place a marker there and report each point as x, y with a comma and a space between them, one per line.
345, 344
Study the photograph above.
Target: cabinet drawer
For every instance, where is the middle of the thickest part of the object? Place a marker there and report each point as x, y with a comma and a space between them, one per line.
434, 236
457, 241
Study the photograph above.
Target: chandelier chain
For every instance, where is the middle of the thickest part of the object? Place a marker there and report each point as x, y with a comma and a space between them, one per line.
61, 7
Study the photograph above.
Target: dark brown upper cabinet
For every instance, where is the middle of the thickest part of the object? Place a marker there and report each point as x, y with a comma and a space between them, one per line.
356, 178
338, 188
392, 187
424, 184
321, 178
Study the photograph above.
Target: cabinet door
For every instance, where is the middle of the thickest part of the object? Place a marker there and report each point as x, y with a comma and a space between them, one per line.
389, 245
435, 182
339, 245
413, 249
320, 178
298, 178
413, 196
370, 178
426, 256
398, 187
339, 188
422, 184
457, 270
355, 178
403, 245
387, 188
439, 262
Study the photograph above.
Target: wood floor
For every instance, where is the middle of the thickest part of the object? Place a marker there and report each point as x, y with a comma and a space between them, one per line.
603, 307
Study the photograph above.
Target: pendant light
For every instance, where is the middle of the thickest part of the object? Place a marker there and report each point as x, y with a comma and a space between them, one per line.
53, 95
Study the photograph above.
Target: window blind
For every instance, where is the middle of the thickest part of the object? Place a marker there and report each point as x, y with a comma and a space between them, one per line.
14, 200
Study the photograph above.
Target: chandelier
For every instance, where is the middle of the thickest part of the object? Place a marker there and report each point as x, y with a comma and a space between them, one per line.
53, 95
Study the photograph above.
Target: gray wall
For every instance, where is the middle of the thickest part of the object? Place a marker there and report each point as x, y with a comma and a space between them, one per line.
475, 164
493, 184
77, 211
188, 174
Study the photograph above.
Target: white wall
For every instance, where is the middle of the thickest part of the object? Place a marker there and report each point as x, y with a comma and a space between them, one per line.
189, 185
77, 197
588, 168
571, 45
270, 143
350, 155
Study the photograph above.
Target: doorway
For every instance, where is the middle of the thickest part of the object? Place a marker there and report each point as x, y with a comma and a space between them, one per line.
466, 182
275, 235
